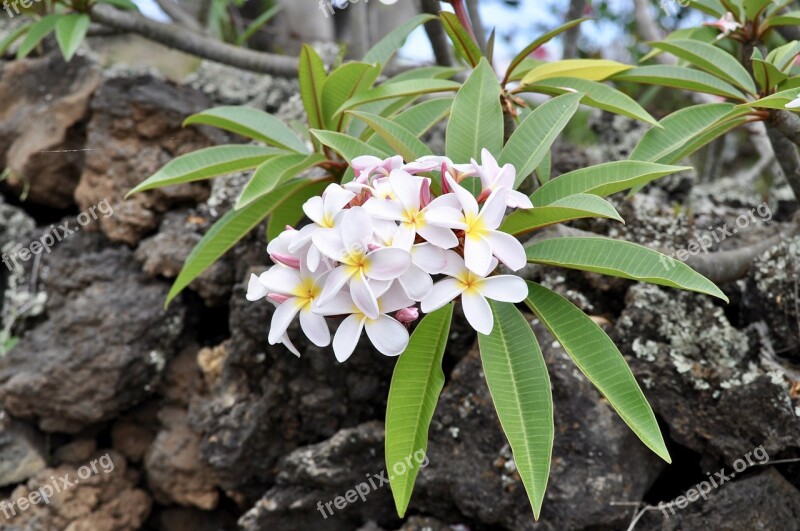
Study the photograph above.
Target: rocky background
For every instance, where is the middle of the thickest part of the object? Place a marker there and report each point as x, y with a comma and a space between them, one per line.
209, 428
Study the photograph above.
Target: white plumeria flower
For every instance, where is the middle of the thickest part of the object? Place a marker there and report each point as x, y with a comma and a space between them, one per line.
366, 166
494, 178
474, 290
294, 291
350, 245
388, 335
481, 237
325, 212
408, 211
726, 24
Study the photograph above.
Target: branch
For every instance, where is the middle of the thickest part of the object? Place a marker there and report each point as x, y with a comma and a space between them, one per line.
436, 34
195, 44
787, 123
787, 157
178, 15
576, 9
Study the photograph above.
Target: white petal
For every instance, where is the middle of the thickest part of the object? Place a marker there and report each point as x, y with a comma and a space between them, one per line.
313, 259
339, 304
388, 335
507, 249
416, 283
329, 243
289, 345
363, 297
404, 236
438, 236
443, 292
335, 198
365, 161
356, 230
478, 255
494, 210
504, 288
477, 312
429, 258
281, 279
315, 210
384, 209
387, 263
467, 200
455, 266
315, 327
793, 104
446, 200
379, 287
406, 188
336, 280
282, 318
346, 338
395, 298
255, 289
445, 217
518, 200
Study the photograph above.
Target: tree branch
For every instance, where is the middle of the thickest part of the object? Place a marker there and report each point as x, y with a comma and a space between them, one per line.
787, 157
787, 123
436, 34
193, 43
178, 15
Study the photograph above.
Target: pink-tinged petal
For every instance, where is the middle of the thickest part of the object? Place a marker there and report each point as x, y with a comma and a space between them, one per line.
336, 280
504, 288
406, 188
388, 335
363, 297
438, 236
289, 345
387, 263
285, 259
429, 258
421, 167
445, 217
446, 200
425, 194
467, 200
394, 299
302, 238
365, 161
478, 312
384, 209
278, 298
517, 199
443, 292
507, 249
315, 210
494, 210
315, 328
281, 279
340, 304
335, 198
255, 289
478, 255
404, 236
416, 283
330, 244
346, 338
489, 162
356, 230
282, 318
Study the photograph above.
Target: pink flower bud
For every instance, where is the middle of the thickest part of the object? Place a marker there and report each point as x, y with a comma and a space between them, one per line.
407, 315
285, 259
445, 185
425, 196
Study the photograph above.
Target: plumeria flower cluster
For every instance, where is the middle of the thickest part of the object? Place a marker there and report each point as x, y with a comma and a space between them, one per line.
375, 245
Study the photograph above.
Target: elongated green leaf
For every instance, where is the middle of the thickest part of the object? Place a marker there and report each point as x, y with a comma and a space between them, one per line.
777, 100
385, 49
291, 210
250, 123
207, 163
517, 377
402, 141
544, 168
600, 361
414, 87
792, 18
621, 259
12, 37
417, 119
753, 8
591, 69
711, 59
573, 207
602, 180
343, 83
274, 172
465, 45
767, 75
312, 76
417, 381
680, 77
70, 31
228, 230
36, 33
257, 24
596, 95
533, 138
476, 121
783, 56
529, 49
709, 7
347, 146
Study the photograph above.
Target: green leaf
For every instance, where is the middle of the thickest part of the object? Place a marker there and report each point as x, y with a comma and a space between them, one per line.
602, 180
544, 168
600, 361
792, 18
476, 120
573, 207
709, 7
767, 75
414, 87
274, 172
291, 210
682, 78
251, 123
312, 76
517, 377
70, 32
417, 381
591, 69
207, 163
417, 119
753, 8
777, 100
36, 33
783, 56
529, 49
12, 37
596, 95
343, 83
711, 59
620, 259
385, 48
533, 138
227, 231
465, 45
347, 146
257, 24
401, 140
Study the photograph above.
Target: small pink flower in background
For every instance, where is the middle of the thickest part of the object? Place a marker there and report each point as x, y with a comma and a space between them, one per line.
726, 24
